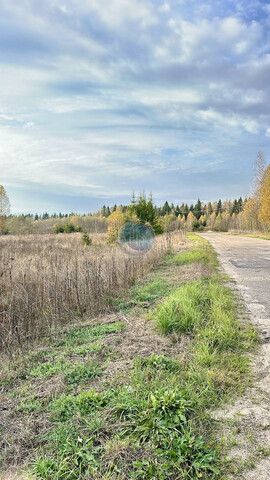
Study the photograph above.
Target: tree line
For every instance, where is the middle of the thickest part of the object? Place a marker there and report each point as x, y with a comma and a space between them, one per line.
250, 214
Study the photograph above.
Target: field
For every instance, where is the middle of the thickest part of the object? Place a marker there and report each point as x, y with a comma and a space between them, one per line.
48, 280
129, 394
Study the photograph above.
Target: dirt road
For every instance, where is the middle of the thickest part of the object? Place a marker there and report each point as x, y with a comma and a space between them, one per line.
247, 261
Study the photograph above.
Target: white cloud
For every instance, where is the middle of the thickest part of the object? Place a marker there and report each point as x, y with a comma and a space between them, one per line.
117, 12
165, 7
94, 90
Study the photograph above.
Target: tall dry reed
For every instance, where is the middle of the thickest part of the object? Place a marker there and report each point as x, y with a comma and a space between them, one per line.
49, 280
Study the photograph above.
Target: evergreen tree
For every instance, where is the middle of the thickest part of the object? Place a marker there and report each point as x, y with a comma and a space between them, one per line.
145, 211
219, 207
240, 204
198, 209
103, 211
177, 211
186, 211
165, 209
235, 208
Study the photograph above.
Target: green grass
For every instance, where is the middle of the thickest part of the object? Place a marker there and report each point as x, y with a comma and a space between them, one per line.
89, 334
251, 235
262, 237
144, 293
183, 310
29, 406
73, 373
199, 254
142, 430
154, 423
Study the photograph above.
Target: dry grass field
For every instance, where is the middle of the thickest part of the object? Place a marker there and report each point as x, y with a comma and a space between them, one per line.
48, 280
129, 394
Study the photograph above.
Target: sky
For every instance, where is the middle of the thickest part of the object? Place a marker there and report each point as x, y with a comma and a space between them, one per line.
100, 98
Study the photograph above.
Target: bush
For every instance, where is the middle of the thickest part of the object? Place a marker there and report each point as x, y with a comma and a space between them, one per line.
86, 240
69, 228
58, 228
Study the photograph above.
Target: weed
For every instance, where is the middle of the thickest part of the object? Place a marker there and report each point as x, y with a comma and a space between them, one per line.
73, 373
29, 406
85, 403
81, 372
84, 335
144, 293
90, 349
49, 369
158, 362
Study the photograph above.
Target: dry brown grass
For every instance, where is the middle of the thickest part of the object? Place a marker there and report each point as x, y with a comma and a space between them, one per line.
47, 281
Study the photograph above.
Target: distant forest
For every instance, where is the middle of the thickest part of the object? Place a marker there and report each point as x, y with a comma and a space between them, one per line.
250, 214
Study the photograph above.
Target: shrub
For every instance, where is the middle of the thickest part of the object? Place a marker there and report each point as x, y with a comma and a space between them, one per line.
58, 228
69, 228
86, 240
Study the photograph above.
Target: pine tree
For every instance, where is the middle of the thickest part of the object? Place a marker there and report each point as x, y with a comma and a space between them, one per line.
103, 211
177, 211
165, 209
235, 208
240, 204
198, 209
186, 211
219, 207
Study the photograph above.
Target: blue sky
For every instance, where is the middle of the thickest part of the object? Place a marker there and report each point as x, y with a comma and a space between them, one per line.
99, 98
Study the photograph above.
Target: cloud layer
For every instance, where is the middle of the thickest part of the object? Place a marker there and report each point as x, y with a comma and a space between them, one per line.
99, 98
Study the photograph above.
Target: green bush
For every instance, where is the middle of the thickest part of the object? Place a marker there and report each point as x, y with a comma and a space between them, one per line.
69, 228
58, 228
86, 240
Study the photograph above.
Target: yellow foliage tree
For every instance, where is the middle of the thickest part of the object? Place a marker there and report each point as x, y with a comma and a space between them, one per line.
251, 215
264, 214
211, 220
190, 220
115, 221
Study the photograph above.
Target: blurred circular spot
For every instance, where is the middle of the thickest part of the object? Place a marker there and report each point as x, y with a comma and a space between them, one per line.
135, 238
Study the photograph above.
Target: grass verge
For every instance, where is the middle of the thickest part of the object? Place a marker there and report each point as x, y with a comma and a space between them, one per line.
153, 424
251, 235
